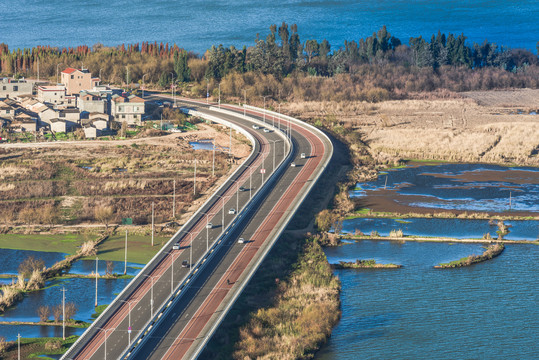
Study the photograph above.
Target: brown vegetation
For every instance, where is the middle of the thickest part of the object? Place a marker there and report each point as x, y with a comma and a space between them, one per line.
490, 252
306, 309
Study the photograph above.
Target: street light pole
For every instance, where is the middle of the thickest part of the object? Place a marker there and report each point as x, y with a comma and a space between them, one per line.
244, 101
125, 257
251, 184
151, 295
129, 322
96, 275
173, 88
195, 179
174, 199
152, 221
219, 95
264, 97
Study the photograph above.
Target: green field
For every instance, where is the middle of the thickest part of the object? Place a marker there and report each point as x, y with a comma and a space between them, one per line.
139, 249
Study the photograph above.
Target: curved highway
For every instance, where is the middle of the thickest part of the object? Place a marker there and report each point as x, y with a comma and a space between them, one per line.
169, 311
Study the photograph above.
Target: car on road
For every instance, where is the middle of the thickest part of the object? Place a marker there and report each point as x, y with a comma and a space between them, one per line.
241, 241
185, 263
232, 211
209, 226
176, 246
266, 130
303, 156
242, 188
256, 127
293, 164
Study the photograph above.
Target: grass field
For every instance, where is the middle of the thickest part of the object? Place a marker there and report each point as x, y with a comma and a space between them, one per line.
139, 249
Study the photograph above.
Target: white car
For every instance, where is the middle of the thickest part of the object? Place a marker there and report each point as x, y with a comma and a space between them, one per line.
303, 156
293, 164
232, 211
241, 241
266, 130
209, 226
256, 127
176, 246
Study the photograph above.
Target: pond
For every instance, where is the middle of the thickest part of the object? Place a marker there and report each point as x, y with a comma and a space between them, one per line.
79, 291
488, 310
452, 228
469, 187
206, 145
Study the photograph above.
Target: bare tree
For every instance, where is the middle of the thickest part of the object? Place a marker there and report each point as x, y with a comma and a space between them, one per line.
43, 312
104, 214
71, 310
57, 312
29, 265
110, 267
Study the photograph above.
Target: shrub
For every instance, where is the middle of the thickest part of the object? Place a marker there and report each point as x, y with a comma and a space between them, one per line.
396, 233
57, 312
29, 265
53, 345
71, 310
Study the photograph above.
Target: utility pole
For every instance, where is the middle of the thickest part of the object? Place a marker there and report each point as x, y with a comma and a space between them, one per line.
213, 159
219, 95
142, 83
19, 346
230, 147
195, 179
125, 257
161, 126
57, 71
207, 92
64, 313
96, 275
152, 221
509, 200
174, 199
38, 68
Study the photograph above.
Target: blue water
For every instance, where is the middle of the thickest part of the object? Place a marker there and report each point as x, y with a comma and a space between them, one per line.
485, 311
11, 259
453, 228
197, 24
470, 187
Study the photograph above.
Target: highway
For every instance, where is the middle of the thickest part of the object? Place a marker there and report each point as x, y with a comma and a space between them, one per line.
172, 312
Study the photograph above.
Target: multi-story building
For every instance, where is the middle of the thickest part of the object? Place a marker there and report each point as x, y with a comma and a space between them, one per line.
92, 103
54, 95
77, 80
128, 108
10, 88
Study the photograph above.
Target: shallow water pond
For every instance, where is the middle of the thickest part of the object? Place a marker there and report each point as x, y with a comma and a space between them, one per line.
470, 187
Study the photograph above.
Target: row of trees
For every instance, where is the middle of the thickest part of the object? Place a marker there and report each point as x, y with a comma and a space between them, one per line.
44, 312
281, 54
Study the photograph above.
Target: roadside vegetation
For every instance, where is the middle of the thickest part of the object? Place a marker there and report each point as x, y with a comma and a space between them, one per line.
288, 309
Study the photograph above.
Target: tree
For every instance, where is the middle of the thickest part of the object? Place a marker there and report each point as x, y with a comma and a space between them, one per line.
104, 214
57, 312
43, 312
29, 265
324, 220
70, 310
181, 68
123, 130
110, 267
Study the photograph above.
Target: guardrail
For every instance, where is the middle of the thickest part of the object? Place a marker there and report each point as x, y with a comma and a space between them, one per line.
195, 270
150, 264
290, 213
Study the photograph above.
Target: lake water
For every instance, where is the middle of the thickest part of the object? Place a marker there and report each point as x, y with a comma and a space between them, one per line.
470, 187
486, 311
198, 24
453, 228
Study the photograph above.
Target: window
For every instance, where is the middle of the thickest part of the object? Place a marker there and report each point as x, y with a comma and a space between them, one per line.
72, 76
7, 111
54, 94
123, 116
136, 108
15, 88
135, 116
3, 88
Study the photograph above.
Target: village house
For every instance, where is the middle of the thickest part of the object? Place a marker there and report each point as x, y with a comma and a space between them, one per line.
76, 80
128, 108
6, 111
54, 95
90, 103
10, 88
